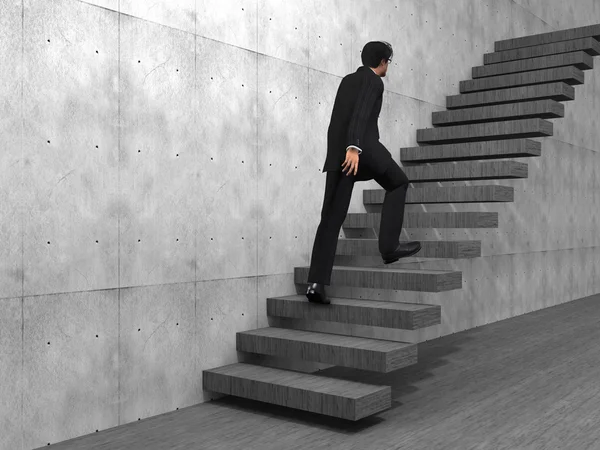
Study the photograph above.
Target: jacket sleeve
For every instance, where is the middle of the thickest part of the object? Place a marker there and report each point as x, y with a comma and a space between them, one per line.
371, 89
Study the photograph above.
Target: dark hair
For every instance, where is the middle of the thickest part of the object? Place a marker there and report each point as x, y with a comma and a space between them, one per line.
373, 52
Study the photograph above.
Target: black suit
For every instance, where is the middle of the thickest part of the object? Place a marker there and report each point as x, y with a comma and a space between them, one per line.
354, 123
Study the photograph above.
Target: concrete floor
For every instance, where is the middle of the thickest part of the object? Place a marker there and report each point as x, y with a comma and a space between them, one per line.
529, 382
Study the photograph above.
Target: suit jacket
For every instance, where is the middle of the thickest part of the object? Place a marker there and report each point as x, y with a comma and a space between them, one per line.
354, 122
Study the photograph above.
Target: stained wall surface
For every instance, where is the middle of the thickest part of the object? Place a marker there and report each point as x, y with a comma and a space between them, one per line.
160, 177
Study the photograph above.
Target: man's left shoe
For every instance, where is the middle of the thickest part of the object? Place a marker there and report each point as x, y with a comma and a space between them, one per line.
316, 293
403, 250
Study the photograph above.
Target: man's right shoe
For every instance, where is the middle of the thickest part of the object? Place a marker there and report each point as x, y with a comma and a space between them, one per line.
402, 251
316, 294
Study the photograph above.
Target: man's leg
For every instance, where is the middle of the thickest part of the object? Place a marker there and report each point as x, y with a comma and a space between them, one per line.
338, 193
395, 182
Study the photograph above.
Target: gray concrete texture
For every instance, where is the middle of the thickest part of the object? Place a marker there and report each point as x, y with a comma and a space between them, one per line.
160, 177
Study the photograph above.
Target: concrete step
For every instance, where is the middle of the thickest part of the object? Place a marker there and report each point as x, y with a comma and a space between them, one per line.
402, 316
346, 351
470, 170
567, 74
330, 396
552, 91
543, 109
549, 37
486, 131
429, 249
469, 219
581, 60
509, 148
451, 194
382, 278
589, 45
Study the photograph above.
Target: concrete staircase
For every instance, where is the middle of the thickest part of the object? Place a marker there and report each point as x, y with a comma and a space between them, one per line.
508, 101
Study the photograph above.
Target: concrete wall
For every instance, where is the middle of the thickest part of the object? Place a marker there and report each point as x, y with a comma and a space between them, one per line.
161, 176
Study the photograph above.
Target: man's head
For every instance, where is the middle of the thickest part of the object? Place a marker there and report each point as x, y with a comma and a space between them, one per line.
377, 55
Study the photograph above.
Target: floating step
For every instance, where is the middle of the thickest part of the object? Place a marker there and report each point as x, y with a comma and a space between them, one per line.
581, 60
589, 45
551, 91
382, 278
429, 249
567, 74
543, 109
313, 393
402, 316
485, 132
474, 219
548, 38
346, 351
452, 194
510, 148
488, 170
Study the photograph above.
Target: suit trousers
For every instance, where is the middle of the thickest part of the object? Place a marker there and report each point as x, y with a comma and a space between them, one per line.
338, 192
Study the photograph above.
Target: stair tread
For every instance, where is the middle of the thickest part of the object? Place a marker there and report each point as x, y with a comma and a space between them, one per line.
299, 380
548, 37
449, 188
566, 74
315, 337
558, 91
581, 60
443, 219
587, 44
437, 248
483, 126
373, 304
444, 165
377, 269
469, 170
471, 150
422, 240
499, 112
446, 194
496, 130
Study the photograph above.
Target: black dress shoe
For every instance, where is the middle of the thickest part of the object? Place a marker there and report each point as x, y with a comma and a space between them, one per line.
402, 251
316, 293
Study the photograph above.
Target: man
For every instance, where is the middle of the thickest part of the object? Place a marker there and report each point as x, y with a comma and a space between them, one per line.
353, 131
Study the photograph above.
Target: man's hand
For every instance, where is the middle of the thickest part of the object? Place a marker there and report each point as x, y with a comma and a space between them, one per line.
351, 162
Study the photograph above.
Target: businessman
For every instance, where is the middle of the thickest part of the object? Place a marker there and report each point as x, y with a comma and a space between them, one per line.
353, 131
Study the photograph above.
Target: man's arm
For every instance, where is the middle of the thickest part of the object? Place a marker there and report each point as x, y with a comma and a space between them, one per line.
370, 90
